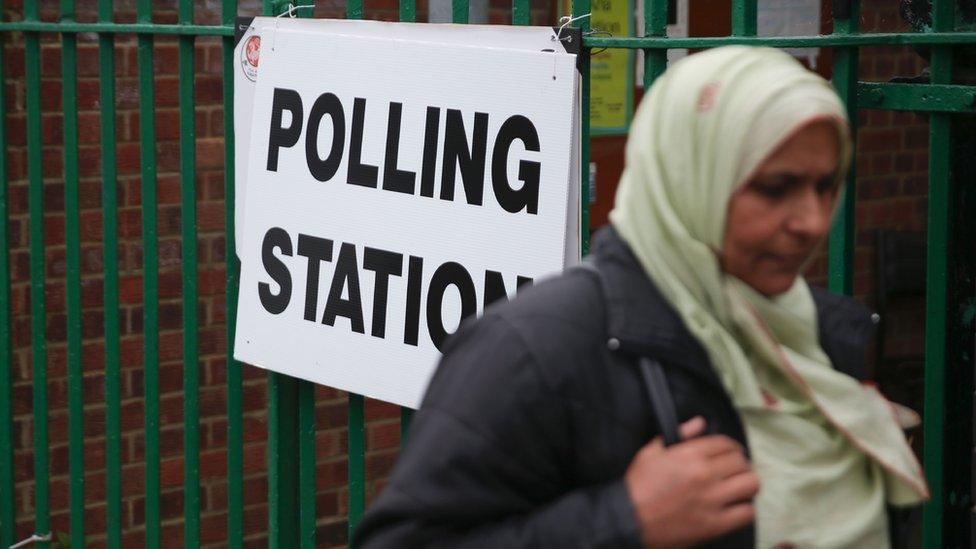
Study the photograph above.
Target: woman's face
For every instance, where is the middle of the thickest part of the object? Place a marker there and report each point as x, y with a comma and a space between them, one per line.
777, 218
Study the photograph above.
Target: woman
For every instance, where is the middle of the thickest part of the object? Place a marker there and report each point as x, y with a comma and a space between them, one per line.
537, 430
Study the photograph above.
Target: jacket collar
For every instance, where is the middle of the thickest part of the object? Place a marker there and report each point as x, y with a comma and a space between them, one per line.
638, 316
644, 323
846, 327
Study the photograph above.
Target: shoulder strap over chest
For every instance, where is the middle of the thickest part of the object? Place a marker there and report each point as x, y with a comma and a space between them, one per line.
652, 374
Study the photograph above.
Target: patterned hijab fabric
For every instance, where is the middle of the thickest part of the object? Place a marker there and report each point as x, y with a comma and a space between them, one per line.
827, 449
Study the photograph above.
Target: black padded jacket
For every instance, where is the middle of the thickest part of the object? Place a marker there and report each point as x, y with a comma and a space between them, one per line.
536, 410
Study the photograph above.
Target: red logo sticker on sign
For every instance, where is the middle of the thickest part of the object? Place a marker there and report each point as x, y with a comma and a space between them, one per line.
249, 57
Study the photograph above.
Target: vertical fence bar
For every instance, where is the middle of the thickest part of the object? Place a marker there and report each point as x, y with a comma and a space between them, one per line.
357, 461
655, 24
406, 416
840, 249
35, 191
113, 398
188, 221
282, 461
354, 9
150, 274
959, 527
76, 402
306, 463
580, 8
743, 17
283, 434
408, 13
459, 11
356, 456
935, 323
7, 502
936, 281
235, 433
306, 438
283, 464
408, 10
521, 12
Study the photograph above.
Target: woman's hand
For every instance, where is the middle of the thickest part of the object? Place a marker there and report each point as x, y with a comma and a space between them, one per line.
692, 491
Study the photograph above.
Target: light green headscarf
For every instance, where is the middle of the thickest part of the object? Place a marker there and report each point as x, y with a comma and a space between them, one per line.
826, 448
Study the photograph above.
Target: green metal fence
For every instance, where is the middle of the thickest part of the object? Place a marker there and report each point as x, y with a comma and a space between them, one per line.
291, 445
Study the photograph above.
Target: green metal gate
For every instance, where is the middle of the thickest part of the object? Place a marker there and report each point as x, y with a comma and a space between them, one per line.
291, 456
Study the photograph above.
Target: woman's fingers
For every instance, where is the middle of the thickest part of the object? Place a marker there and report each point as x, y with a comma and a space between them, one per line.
709, 446
692, 428
735, 517
736, 489
728, 465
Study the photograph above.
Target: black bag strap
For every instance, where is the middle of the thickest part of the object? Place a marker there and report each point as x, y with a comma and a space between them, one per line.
661, 402
652, 373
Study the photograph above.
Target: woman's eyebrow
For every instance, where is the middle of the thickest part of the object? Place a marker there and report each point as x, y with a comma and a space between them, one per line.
784, 177
795, 176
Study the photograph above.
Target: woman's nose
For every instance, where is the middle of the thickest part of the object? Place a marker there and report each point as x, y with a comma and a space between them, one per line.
811, 213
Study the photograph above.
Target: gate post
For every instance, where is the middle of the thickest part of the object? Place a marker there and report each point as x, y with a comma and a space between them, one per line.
959, 522
936, 283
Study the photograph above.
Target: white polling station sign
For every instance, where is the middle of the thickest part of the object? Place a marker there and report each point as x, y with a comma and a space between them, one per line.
395, 186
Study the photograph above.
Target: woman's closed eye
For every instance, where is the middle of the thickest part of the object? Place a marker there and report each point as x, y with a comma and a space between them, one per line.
776, 187
779, 186
828, 184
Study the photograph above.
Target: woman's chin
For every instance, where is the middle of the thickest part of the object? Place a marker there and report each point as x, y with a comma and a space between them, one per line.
772, 285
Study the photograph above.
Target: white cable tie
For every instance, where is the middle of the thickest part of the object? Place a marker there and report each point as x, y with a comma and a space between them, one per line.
33, 539
565, 21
